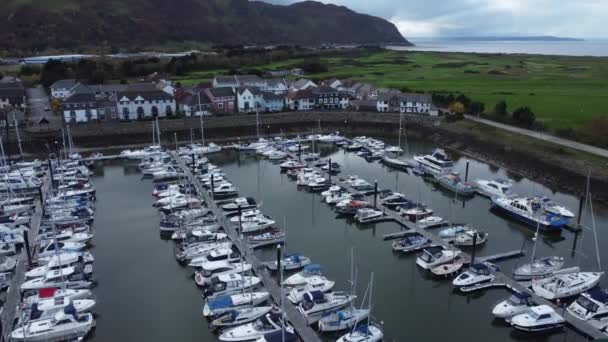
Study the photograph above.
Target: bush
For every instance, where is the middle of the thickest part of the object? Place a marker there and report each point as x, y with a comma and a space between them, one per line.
500, 108
523, 116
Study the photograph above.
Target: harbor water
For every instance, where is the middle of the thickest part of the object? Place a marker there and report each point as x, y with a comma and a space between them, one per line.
145, 295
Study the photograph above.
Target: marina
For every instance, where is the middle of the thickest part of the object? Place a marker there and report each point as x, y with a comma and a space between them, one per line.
263, 180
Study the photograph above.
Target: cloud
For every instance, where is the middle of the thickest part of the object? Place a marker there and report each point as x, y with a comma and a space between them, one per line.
424, 18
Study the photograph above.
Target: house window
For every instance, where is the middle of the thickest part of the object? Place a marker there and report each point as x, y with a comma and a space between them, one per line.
72, 116
154, 111
169, 111
88, 114
125, 113
220, 106
140, 113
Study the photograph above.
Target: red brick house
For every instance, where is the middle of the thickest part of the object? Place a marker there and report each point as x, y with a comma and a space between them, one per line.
223, 100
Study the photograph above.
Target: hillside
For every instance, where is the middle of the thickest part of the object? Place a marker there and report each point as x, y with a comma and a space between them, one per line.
34, 25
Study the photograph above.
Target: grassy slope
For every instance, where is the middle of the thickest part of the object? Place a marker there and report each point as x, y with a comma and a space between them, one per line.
563, 91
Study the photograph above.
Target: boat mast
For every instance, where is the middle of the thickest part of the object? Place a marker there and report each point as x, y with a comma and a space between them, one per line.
202, 129
400, 119
157, 132
257, 121
535, 238
18, 137
153, 133
371, 289
2, 150
597, 248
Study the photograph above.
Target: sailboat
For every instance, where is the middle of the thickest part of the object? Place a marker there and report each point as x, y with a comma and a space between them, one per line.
366, 332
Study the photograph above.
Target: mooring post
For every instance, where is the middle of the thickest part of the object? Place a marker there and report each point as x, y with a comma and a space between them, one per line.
329, 170
193, 164
299, 151
279, 265
375, 192
26, 240
212, 187
474, 247
51, 170
466, 173
240, 232
581, 203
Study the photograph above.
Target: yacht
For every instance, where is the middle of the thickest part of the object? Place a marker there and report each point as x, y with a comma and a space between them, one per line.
247, 215
394, 200
300, 278
52, 294
200, 250
566, 285
452, 181
353, 147
65, 325
494, 188
47, 308
453, 231
316, 304
592, 304
290, 262
342, 319
268, 323
476, 274
279, 336
147, 152
240, 316
258, 223
517, 304
469, 237
410, 243
363, 333
330, 138
350, 207
228, 254
530, 212
366, 215
225, 190
538, 318
317, 283
337, 197
396, 163
51, 248
434, 256
208, 270
69, 278
414, 211
435, 163
431, 222
223, 304
63, 260
230, 283
539, 268
277, 155
242, 202
554, 208
291, 164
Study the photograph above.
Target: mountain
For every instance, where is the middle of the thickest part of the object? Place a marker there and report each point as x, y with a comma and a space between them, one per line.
33, 25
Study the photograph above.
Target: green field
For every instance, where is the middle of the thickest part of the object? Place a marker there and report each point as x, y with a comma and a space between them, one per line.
562, 91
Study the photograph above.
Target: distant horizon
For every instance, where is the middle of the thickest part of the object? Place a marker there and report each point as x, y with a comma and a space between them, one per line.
454, 37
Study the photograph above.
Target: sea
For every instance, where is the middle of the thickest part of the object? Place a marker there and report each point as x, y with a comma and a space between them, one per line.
591, 47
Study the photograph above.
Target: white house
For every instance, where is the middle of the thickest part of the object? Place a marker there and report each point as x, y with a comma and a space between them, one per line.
334, 83
249, 100
166, 86
417, 104
302, 100
80, 107
62, 88
137, 105
302, 84
277, 86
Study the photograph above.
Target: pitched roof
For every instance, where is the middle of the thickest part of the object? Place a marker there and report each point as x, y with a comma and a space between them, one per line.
301, 94
415, 97
80, 97
226, 80
275, 82
252, 90
64, 84
193, 99
270, 96
301, 83
324, 90
148, 95
249, 79
221, 92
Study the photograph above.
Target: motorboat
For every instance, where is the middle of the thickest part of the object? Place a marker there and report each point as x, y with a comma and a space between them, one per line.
410, 243
225, 190
210, 269
431, 222
281, 335
363, 333
86, 257
230, 283
592, 304
476, 274
447, 270
290, 262
67, 236
258, 223
300, 278
566, 285
353, 147
200, 250
315, 304
436, 163
358, 184
243, 203
147, 152
247, 215
310, 156
47, 308
393, 149
394, 200
272, 235
316, 283
452, 181
228, 254
539, 268
350, 207
68, 277
373, 155
538, 318
297, 148
291, 164
63, 326
433, 256
223, 304
337, 197
470, 237
415, 212
330, 138
396, 163
517, 304
365, 215
530, 212
453, 231
494, 188
53, 247
342, 319
7, 264
268, 323
318, 184
202, 236
277, 155
53, 294
60, 261
240, 316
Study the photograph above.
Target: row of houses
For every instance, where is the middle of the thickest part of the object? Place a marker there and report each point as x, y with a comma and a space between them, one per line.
12, 93
226, 95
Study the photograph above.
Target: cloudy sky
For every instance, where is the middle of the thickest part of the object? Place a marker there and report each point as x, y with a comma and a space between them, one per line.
432, 18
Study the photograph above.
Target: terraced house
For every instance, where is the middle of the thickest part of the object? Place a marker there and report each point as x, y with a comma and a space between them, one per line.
136, 104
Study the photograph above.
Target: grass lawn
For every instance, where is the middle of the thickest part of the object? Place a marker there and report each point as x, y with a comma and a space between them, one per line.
562, 91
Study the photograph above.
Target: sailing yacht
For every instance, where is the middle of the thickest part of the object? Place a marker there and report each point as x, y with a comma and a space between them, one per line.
315, 304
223, 304
63, 326
566, 285
268, 323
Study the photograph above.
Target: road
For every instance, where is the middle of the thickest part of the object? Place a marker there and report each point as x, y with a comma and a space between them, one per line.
40, 106
543, 136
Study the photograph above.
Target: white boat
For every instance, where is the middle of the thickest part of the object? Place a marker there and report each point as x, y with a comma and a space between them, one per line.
47, 308
365, 215
554, 208
225, 190
337, 197
315, 304
530, 212
494, 188
62, 260
49, 249
476, 274
297, 148
230, 283
147, 152
208, 270
69, 278
53, 294
469, 237
201, 250
228, 254
415, 212
436, 163
566, 285
330, 138
240, 316
223, 304
396, 163
290, 262
592, 304
453, 231
342, 319
291, 164
359, 184
279, 336
317, 283
300, 278
63, 326
539, 268
268, 323
434, 256
256, 224
277, 155
517, 304
247, 215
430, 222
363, 333
242, 202
538, 318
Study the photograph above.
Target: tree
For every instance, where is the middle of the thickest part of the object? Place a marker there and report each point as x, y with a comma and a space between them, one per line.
501, 108
477, 108
457, 108
55, 105
524, 116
